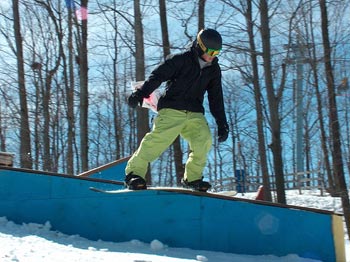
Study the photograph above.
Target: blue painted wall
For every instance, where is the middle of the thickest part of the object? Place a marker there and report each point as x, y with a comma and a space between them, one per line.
113, 171
178, 220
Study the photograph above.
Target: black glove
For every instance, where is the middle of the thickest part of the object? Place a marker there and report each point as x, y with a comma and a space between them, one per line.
135, 98
223, 132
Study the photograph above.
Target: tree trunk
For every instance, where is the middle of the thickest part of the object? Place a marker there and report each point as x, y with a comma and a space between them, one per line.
84, 93
164, 27
258, 105
338, 167
2, 134
116, 95
323, 136
70, 97
46, 94
201, 14
142, 113
25, 138
276, 144
179, 166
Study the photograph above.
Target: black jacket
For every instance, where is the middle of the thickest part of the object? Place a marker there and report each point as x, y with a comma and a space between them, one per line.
187, 84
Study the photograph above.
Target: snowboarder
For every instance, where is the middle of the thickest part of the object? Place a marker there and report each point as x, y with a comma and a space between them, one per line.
189, 75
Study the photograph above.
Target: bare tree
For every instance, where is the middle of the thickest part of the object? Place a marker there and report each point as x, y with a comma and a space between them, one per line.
323, 136
69, 80
117, 98
84, 93
25, 140
201, 14
142, 113
338, 167
258, 102
274, 101
179, 167
2, 131
47, 87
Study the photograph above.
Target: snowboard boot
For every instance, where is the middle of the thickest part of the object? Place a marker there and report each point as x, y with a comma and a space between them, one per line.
198, 185
135, 182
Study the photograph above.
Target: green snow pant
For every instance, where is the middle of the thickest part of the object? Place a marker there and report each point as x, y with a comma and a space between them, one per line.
168, 124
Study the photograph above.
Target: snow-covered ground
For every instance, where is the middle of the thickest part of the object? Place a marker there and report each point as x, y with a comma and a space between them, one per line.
37, 243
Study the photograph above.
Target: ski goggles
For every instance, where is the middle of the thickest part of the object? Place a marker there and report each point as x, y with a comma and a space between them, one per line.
208, 51
212, 52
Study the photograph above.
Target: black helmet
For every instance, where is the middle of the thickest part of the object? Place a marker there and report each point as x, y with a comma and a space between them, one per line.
209, 41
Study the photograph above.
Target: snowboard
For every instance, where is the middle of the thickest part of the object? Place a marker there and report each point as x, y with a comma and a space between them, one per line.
229, 193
